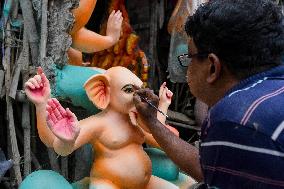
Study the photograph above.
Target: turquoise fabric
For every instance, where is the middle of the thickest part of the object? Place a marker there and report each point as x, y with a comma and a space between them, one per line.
162, 166
45, 179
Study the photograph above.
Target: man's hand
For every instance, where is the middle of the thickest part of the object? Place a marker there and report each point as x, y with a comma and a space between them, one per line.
147, 113
63, 123
114, 25
37, 88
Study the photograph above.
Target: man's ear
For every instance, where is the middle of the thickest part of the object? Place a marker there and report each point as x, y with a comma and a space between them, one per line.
98, 90
214, 68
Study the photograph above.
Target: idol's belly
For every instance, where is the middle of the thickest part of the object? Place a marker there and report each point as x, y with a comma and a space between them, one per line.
128, 167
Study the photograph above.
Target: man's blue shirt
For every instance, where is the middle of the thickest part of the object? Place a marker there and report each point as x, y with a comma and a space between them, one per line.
242, 139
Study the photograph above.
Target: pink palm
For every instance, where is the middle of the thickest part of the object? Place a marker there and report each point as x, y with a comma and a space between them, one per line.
63, 123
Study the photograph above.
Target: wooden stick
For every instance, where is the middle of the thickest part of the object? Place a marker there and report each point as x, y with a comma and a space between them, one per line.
18, 66
15, 79
161, 13
33, 157
176, 94
26, 110
27, 135
33, 129
43, 35
1, 79
21, 96
53, 160
64, 167
153, 41
11, 127
15, 9
29, 23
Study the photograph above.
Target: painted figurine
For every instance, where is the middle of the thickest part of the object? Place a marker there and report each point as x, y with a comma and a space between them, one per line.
84, 40
124, 51
115, 133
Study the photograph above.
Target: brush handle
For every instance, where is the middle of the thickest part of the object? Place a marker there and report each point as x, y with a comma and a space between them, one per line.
154, 106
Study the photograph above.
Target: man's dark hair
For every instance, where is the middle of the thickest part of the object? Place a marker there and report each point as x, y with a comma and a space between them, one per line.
246, 35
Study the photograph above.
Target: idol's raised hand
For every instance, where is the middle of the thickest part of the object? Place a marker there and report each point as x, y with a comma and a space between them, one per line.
114, 25
62, 122
165, 95
37, 88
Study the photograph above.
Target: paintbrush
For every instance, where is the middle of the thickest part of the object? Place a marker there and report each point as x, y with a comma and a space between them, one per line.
148, 102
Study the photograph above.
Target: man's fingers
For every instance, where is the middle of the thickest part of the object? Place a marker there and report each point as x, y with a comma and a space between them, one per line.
141, 92
142, 104
136, 99
135, 87
147, 96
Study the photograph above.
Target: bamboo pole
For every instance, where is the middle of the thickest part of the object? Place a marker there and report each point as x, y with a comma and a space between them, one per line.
11, 127
64, 167
1, 79
153, 60
43, 35
53, 160
26, 108
30, 25
33, 156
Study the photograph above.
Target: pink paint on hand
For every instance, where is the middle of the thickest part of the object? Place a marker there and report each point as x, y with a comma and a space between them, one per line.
61, 122
38, 92
64, 130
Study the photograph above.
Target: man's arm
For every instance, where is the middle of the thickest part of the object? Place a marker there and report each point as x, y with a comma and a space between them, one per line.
183, 154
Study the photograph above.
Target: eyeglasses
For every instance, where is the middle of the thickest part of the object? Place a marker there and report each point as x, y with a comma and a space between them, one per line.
185, 59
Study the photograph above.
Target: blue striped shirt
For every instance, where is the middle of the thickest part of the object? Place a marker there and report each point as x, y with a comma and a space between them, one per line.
242, 139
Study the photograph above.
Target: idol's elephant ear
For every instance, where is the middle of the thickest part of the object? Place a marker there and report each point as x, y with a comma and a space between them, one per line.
98, 90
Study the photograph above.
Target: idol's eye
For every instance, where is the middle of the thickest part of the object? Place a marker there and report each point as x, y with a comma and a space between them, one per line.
128, 88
